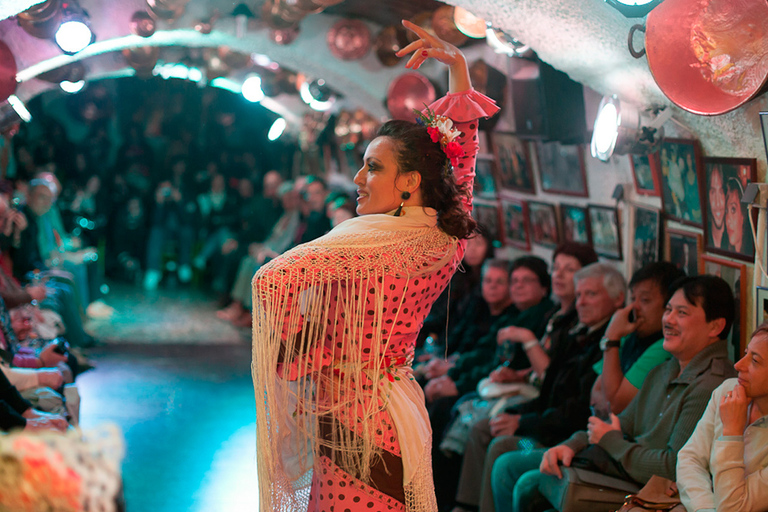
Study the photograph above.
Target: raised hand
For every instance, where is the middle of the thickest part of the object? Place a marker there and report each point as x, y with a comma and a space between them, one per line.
429, 46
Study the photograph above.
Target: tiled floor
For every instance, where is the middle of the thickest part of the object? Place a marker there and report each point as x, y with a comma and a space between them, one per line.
185, 406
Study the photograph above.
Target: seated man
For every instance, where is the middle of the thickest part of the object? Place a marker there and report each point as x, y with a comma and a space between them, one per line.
15, 412
722, 466
645, 438
563, 403
632, 348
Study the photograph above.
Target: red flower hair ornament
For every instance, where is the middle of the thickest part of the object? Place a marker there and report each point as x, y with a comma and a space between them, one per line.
441, 130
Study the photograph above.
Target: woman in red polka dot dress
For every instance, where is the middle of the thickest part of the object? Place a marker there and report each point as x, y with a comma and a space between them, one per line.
341, 424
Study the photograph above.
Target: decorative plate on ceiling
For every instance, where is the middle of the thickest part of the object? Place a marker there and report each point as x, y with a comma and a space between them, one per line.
7, 72
407, 92
349, 39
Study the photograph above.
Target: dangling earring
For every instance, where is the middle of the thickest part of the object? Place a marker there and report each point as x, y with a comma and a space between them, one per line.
405, 196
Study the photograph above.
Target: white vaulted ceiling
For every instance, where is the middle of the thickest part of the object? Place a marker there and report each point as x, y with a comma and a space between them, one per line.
587, 39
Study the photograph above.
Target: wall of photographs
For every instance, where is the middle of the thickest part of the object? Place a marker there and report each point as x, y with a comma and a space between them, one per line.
678, 204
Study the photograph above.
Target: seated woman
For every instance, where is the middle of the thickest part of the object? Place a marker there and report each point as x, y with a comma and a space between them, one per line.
479, 316
449, 314
723, 465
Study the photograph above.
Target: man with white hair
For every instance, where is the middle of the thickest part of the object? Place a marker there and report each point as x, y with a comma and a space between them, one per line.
645, 438
563, 404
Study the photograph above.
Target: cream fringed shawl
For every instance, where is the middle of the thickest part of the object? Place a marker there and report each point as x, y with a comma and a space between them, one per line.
310, 308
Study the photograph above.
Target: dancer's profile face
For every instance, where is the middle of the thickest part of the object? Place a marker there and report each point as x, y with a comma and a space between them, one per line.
379, 185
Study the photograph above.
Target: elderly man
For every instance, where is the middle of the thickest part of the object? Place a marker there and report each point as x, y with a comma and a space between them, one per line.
563, 405
645, 438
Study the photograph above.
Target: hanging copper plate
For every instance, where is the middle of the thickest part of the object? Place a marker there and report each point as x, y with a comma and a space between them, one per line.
349, 39
390, 40
709, 56
285, 36
407, 92
445, 27
142, 24
7, 72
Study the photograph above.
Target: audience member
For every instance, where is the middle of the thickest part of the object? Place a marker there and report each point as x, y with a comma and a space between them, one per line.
563, 403
645, 438
722, 466
633, 347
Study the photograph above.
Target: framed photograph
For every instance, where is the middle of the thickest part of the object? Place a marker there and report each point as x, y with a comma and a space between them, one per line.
735, 274
513, 160
604, 227
485, 177
575, 222
486, 213
562, 169
646, 236
727, 230
645, 172
543, 224
683, 248
679, 171
517, 232
764, 125
761, 305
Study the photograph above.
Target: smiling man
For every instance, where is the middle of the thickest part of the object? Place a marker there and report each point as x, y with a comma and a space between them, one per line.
644, 439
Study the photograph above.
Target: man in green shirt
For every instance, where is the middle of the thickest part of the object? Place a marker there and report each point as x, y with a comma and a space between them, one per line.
633, 342
644, 439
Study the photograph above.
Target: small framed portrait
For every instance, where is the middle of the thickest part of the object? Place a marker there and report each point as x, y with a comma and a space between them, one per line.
513, 160
645, 238
516, 223
575, 222
727, 229
562, 169
764, 125
683, 249
604, 226
486, 213
485, 177
543, 224
679, 171
645, 173
735, 274
761, 305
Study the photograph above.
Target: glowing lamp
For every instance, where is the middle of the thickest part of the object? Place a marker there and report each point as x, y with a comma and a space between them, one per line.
74, 35
621, 128
277, 129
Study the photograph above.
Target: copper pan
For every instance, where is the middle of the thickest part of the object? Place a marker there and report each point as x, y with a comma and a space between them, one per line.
709, 56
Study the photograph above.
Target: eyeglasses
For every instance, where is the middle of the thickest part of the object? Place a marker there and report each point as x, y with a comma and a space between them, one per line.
525, 281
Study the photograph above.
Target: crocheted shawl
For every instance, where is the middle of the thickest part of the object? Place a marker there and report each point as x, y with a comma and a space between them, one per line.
309, 306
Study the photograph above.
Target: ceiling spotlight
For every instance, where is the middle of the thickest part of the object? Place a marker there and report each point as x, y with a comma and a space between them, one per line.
317, 95
634, 8
72, 87
621, 128
252, 89
20, 108
277, 129
41, 20
468, 24
74, 33
506, 44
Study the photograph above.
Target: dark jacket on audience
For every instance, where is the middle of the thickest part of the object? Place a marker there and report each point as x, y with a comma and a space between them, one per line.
473, 366
12, 406
562, 407
661, 418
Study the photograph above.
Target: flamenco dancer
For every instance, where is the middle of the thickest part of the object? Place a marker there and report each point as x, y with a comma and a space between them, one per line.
341, 424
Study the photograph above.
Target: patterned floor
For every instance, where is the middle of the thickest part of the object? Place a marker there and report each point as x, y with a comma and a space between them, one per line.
177, 382
167, 315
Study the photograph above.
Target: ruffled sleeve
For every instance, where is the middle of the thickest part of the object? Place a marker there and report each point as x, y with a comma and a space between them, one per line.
464, 109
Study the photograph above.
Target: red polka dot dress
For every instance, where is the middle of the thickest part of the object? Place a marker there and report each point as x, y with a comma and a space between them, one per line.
342, 424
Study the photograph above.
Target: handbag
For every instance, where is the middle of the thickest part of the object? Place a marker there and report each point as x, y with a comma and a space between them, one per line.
653, 496
585, 491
